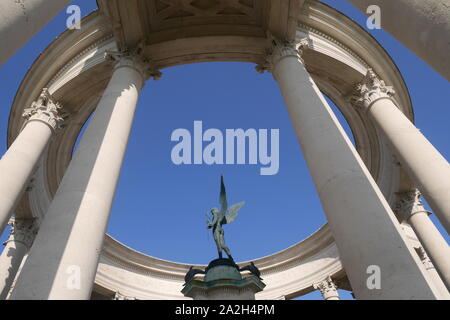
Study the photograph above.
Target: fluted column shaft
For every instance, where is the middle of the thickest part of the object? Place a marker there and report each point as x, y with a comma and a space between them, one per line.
424, 164
20, 20
63, 260
19, 161
411, 209
19, 242
364, 227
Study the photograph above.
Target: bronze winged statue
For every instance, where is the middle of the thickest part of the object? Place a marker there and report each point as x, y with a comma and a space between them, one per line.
219, 218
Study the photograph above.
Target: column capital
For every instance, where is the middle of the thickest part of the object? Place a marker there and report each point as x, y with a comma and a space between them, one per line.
119, 296
369, 90
424, 257
23, 231
408, 204
280, 49
46, 110
327, 288
135, 60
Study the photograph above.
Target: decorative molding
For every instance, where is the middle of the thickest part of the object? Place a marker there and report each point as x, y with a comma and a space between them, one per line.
168, 10
45, 109
408, 204
370, 90
77, 58
119, 296
327, 288
23, 231
314, 31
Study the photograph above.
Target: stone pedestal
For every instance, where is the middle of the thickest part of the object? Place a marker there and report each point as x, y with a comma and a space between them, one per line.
223, 281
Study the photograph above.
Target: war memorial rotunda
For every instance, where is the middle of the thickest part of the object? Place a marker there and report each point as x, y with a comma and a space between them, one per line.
377, 225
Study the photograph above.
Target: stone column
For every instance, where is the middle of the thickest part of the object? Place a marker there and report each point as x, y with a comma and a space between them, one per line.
423, 163
432, 270
63, 260
411, 209
328, 289
425, 32
19, 242
17, 275
365, 229
20, 20
18, 163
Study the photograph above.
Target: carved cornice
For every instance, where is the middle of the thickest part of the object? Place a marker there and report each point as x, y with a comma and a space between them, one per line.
136, 60
327, 288
371, 89
310, 30
408, 204
79, 56
23, 231
45, 109
281, 49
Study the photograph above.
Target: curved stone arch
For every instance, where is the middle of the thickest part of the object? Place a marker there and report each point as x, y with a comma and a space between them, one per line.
68, 66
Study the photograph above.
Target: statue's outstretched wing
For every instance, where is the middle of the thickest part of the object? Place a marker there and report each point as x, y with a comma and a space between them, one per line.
223, 197
233, 212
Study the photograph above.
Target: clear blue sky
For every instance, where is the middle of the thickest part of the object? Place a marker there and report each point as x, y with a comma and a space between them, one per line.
160, 208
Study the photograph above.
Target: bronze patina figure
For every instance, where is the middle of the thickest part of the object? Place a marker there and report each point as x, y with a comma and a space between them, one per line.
219, 218
215, 220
